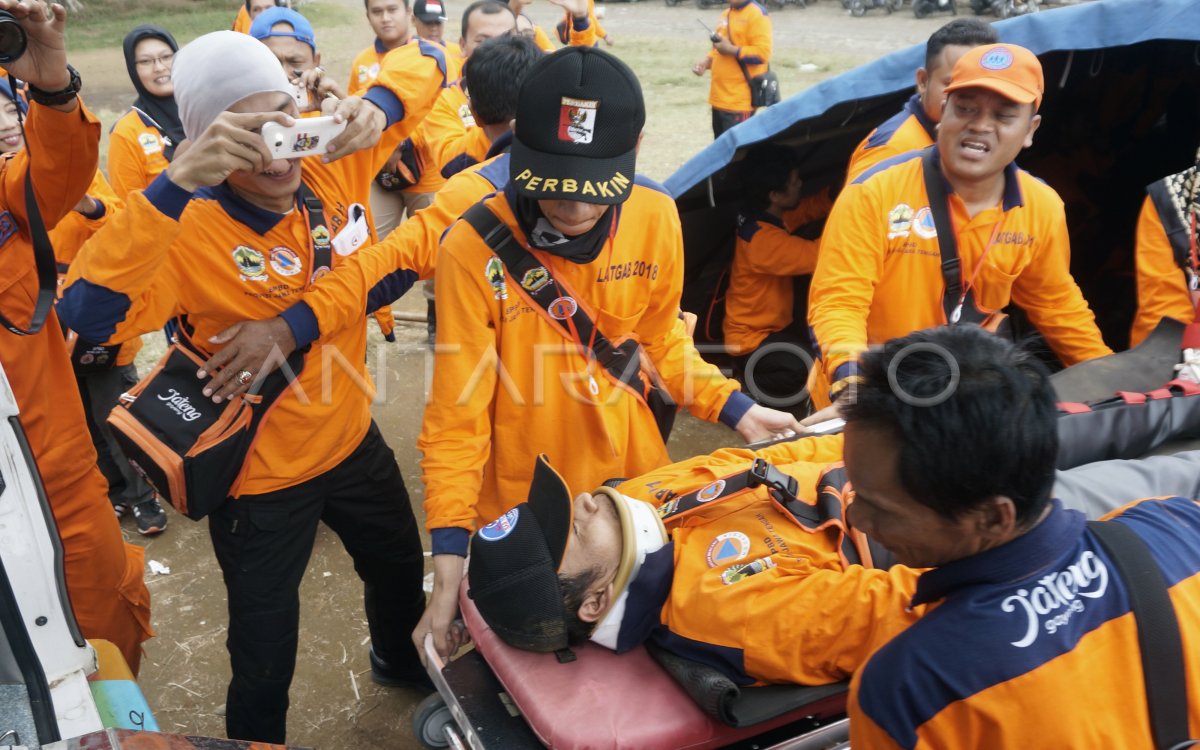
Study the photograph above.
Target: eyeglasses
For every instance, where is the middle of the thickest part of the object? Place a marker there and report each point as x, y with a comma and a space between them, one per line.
154, 61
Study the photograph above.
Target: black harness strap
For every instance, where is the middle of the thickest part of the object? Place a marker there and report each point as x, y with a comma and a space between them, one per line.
1158, 631
939, 206
622, 362
322, 242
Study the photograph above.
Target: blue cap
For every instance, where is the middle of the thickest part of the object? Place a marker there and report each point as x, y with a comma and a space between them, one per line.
301, 28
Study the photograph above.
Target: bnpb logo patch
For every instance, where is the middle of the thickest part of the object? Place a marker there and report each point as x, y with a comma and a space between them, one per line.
501, 527
1000, 58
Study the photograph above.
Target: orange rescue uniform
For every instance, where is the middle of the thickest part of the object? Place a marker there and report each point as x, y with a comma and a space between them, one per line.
1042, 623
508, 384
1162, 286
383, 272
908, 130
75, 229
879, 274
104, 575
749, 27
243, 21
254, 264
363, 73
766, 595
135, 153
759, 301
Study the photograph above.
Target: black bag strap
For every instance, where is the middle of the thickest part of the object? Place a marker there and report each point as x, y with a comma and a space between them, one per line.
43, 255
1157, 628
935, 188
322, 242
621, 362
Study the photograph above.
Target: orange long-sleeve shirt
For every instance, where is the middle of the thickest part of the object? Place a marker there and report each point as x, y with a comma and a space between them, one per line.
749, 27
381, 273
1161, 285
907, 130
838, 614
507, 384
135, 153
363, 72
879, 272
104, 575
75, 229
759, 300
254, 263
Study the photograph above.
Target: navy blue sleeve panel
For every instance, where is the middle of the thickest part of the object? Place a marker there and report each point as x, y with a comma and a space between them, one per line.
303, 322
735, 408
888, 163
388, 102
92, 311
438, 55
450, 541
458, 164
390, 288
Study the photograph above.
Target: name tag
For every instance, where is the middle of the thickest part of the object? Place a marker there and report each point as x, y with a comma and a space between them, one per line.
354, 234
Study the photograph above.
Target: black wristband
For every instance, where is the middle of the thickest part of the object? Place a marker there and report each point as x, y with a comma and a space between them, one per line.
55, 98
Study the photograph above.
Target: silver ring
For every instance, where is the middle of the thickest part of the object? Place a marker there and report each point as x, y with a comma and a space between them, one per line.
244, 377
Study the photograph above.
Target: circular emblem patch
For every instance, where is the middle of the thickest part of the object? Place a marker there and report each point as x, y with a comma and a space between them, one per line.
501, 527
998, 59
285, 261
711, 492
562, 308
727, 548
923, 224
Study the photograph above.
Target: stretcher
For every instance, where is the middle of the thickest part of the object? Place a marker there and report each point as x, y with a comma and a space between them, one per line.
499, 697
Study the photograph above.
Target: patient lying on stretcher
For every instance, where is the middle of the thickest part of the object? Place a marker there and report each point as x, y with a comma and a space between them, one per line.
748, 568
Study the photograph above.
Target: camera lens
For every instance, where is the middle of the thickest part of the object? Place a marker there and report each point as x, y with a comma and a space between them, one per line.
12, 38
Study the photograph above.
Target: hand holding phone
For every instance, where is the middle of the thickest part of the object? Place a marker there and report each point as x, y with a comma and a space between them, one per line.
308, 137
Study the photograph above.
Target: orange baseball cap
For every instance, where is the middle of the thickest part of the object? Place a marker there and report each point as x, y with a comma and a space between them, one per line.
1011, 71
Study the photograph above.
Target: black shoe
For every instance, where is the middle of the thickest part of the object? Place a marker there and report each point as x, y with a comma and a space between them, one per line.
150, 516
384, 674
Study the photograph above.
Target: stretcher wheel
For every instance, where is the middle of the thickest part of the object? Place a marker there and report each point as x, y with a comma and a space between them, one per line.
430, 721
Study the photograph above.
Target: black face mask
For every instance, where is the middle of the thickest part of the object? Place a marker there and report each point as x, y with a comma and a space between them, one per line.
161, 109
581, 249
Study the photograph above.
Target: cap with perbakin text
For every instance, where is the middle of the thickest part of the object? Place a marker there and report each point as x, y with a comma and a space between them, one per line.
579, 116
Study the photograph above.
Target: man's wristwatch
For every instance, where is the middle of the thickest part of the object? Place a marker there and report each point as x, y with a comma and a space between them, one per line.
55, 98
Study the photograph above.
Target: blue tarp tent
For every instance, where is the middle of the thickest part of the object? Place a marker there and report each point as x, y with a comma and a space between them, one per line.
1122, 109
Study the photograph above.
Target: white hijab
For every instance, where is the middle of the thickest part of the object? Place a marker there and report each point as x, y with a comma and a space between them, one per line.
218, 70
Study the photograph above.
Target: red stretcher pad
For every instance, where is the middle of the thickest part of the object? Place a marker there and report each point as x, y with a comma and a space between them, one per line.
627, 701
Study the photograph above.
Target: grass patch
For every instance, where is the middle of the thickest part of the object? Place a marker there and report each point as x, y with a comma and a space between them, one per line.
104, 23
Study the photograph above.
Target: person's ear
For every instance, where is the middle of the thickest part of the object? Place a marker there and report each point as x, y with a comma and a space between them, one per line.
996, 519
922, 81
1034, 122
512, 125
595, 604
316, 59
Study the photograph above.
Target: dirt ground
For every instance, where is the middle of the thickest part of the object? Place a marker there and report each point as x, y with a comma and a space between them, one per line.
334, 703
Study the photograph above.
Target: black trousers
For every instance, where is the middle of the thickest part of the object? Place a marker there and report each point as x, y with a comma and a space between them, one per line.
723, 120
263, 543
776, 372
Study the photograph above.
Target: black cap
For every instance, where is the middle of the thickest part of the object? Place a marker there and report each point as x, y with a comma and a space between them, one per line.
513, 576
579, 115
429, 11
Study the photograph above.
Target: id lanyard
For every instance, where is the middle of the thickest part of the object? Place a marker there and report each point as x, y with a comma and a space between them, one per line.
956, 315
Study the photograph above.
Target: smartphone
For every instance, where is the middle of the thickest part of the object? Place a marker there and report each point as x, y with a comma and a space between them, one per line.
837, 424
300, 94
308, 137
